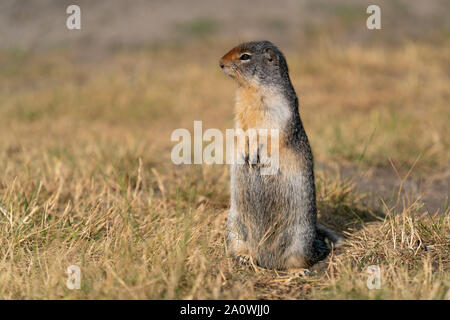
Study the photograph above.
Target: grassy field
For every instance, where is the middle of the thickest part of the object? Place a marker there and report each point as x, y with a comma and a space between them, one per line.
87, 178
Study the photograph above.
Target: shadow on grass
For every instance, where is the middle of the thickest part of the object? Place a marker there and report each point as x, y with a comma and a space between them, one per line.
342, 208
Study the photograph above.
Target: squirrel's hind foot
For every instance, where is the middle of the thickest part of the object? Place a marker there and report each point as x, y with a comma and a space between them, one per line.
244, 259
299, 272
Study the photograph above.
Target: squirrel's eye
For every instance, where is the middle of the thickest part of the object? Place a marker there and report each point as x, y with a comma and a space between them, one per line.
245, 57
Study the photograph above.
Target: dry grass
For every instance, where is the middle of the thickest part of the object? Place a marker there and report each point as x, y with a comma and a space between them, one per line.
87, 178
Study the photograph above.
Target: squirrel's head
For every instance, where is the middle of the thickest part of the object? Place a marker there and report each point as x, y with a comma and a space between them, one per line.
257, 63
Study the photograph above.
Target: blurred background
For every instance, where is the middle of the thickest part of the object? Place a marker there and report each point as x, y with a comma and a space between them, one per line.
86, 118
117, 24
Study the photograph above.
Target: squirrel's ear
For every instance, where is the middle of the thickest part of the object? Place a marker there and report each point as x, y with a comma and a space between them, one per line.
270, 56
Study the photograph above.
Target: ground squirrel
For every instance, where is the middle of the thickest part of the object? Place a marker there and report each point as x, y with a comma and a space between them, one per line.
272, 218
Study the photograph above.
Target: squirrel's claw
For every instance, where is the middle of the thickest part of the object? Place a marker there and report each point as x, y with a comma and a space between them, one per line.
243, 259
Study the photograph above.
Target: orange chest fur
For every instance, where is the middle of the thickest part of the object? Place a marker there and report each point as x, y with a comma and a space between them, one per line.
249, 108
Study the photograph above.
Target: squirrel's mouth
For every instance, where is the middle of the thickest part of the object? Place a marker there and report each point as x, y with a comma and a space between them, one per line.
227, 68
229, 71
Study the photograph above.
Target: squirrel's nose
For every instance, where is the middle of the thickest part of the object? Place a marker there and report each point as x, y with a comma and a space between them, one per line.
221, 64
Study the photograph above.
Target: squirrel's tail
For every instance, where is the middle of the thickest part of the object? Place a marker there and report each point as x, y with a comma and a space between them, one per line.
334, 238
